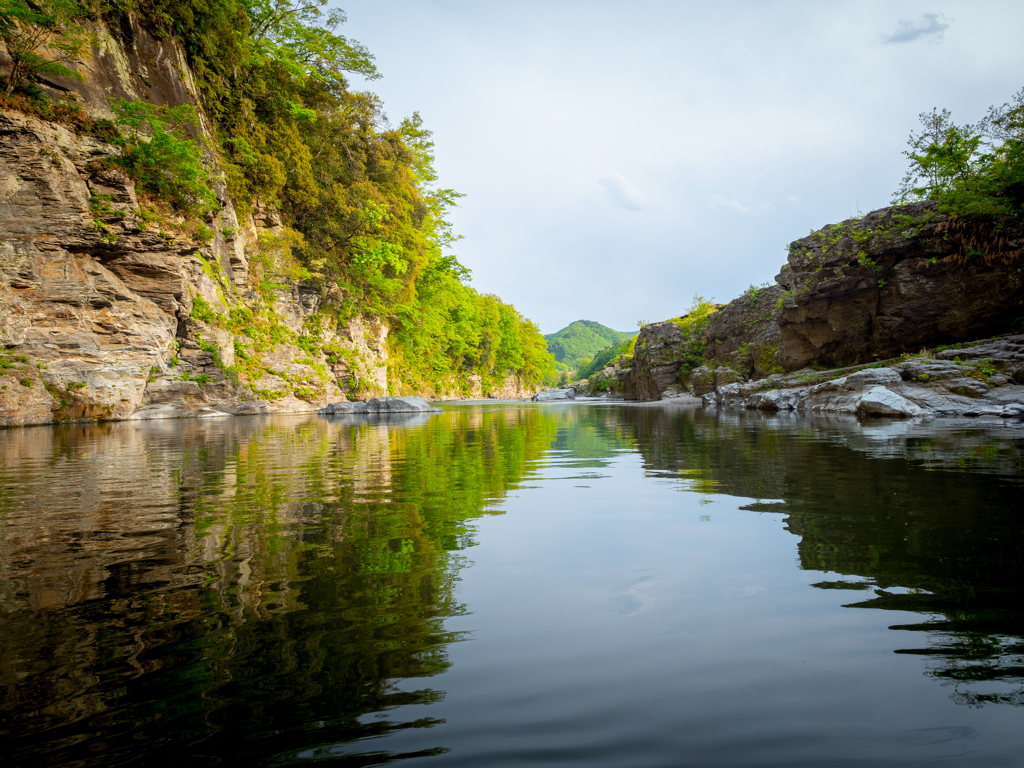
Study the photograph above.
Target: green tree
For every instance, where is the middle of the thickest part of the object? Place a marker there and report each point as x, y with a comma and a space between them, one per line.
372, 231
52, 26
160, 155
975, 172
300, 37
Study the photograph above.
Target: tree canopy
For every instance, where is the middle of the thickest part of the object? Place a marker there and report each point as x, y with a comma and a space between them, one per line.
976, 173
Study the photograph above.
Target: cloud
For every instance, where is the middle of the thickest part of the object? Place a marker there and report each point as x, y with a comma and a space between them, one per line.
624, 193
721, 202
931, 25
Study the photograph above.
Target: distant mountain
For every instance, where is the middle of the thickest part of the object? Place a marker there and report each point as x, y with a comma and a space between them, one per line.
583, 339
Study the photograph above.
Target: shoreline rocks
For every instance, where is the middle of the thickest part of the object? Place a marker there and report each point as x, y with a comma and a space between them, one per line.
984, 379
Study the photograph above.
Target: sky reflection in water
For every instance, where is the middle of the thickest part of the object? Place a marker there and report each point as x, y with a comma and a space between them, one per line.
511, 584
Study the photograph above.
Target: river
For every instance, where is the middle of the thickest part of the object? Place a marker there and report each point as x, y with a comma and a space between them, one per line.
510, 584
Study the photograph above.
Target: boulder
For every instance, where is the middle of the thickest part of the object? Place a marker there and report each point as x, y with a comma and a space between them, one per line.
549, 395
879, 401
381, 405
702, 381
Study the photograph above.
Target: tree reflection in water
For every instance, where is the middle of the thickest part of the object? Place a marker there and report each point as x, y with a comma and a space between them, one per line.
227, 588
274, 588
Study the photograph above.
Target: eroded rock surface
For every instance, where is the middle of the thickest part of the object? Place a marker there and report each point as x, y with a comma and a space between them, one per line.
111, 309
743, 336
656, 361
885, 285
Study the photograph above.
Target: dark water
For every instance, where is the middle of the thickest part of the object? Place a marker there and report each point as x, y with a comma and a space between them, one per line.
513, 585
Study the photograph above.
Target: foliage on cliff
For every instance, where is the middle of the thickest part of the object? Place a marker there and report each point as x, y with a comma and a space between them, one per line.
976, 172
358, 190
369, 227
55, 25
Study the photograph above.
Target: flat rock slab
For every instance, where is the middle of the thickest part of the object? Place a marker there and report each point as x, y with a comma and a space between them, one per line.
554, 394
380, 405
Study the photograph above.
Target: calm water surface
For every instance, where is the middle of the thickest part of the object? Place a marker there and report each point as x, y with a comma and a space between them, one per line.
513, 584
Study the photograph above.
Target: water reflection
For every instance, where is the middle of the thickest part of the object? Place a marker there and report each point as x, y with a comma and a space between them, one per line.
926, 515
235, 585
276, 589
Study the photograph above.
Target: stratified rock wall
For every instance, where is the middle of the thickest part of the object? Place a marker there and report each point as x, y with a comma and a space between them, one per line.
98, 303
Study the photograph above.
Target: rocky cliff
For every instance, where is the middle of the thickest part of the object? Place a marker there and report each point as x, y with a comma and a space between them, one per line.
886, 284
890, 284
114, 307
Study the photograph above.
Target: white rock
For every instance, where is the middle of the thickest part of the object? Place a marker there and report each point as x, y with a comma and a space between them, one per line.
879, 401
382, 405
555, 394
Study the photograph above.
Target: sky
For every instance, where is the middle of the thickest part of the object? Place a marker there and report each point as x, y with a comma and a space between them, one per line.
619, 159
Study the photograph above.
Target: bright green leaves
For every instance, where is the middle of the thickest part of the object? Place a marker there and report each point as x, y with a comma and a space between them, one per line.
374, 229
297, 36
450, 331
943, 157
976, 172
417, 139
691, 327
159, 153
54, 26
252, 174
298, 112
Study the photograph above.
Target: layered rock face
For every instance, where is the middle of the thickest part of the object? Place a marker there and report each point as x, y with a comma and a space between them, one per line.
657, 357
744, 334
102, 305
110, 312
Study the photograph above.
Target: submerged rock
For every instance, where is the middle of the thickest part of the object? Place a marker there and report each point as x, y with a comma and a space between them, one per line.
380, 405
554, 394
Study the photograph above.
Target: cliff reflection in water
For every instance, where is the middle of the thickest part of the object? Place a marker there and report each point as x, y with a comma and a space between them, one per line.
928, 516
234, 584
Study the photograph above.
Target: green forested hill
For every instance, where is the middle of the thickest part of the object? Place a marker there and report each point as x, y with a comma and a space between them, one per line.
581, 340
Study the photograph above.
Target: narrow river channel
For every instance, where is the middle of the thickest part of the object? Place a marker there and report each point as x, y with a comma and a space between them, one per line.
513, 584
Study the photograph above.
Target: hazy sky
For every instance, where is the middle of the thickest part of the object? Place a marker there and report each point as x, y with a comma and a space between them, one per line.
619, 158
